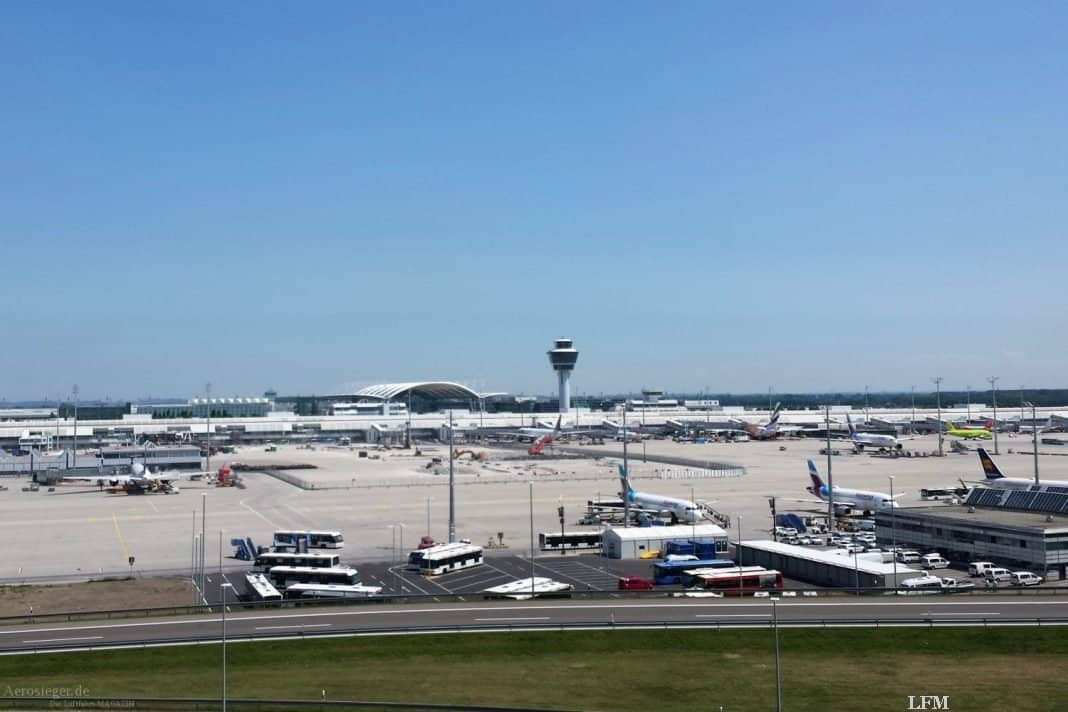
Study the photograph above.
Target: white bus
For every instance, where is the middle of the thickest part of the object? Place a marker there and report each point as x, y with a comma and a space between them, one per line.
262, 590
444, 558
314, 540
319, 559
329, 590
554, 541
285, 576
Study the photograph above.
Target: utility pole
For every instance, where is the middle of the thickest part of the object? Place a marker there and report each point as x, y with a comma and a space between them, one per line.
830, 477
75, 447
994, 389
452, 484
938, 391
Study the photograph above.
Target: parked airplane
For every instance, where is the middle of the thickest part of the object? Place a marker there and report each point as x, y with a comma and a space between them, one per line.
535, 433
969, 433
995, 480
888, 442
768, 430
854, 499
618, 432
139, 480
680, 510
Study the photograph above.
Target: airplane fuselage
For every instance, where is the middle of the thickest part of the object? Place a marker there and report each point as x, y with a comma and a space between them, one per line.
859, 499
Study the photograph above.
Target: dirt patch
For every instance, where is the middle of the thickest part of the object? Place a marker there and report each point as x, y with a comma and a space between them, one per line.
106, 595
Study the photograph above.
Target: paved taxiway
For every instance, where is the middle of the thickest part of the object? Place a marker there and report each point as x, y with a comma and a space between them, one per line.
377, 618
71, 534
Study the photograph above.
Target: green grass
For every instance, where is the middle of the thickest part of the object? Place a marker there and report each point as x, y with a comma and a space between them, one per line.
854, 669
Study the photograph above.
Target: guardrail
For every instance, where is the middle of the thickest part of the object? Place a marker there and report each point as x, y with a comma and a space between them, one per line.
240, 704
758, 621
414, 599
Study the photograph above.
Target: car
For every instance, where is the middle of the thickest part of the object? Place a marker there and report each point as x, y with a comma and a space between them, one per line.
934, 561
997, 575
793, 540
1025, 578
978, 568
908, 556
635, 583
653, 554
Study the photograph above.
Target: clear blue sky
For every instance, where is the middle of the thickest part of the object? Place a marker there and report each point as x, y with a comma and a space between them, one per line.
726, 195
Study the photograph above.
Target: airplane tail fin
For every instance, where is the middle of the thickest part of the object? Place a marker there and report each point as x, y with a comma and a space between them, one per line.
990, 470
559, 423
852, 428
775, 415
814, 475
626, 482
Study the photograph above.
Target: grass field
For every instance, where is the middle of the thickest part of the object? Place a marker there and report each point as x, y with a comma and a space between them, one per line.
978, 669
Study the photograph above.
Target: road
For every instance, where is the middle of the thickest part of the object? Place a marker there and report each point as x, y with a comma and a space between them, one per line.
496, 615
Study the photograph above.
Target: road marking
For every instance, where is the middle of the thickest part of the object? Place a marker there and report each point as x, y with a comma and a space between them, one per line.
242, 503
733, 615
531, 618
118, 533
58, 640
305, 625
92, 520
977, 613
153, 505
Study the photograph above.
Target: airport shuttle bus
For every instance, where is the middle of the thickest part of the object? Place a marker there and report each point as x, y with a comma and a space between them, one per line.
555, 541
443, 558
740, 582
314, 540
330, 590
268, 560
677, 572
261, 588
286, 576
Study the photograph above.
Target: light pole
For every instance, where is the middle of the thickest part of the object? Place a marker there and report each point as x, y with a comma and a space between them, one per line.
532, 541
893, 530
207, 399
222, 592
739, 554
830, 477
1034, 436
994, 390
75, 446
938, 394
693, 520
912, 422
400, 547
428, 516
452, 483
969, 401
778, 667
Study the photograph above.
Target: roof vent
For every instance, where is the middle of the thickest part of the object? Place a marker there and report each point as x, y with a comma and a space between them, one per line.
971, 510
1049, 517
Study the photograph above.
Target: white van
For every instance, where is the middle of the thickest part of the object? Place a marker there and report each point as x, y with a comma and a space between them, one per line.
978, 568
908, 556
934, 561
1025, 578
997, 575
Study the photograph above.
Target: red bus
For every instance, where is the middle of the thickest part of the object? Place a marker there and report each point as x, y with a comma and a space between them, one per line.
739, 582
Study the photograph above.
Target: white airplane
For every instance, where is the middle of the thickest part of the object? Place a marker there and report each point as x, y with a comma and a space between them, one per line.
618, 432
140, 479
767, 430
854, 499
995, 480
535, 433
680, 510
860, 440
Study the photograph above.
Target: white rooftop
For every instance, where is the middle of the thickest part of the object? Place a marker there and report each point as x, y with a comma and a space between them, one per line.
830, 557
682, 532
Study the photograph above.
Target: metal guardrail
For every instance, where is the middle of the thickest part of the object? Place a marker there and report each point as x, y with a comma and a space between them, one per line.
240, 704
414, 599
757, 621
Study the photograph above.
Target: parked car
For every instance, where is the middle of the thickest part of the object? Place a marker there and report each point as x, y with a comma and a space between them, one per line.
1025, 578
635, 583
908, 556
978, 568
997, 575
934, 561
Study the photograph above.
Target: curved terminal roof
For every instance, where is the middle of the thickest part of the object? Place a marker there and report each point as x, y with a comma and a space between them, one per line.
435, 389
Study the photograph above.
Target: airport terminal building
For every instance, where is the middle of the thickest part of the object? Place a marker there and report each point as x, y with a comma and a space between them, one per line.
1034, 539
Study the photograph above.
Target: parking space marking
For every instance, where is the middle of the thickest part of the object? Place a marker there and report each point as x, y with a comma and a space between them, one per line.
118, 534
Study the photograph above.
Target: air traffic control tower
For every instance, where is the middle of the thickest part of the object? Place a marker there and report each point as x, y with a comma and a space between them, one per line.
563, 358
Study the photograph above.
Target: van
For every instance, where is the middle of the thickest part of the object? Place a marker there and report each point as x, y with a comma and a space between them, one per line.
866, 525
997, 575
1025, 578
908, 556
978, 568
934, 561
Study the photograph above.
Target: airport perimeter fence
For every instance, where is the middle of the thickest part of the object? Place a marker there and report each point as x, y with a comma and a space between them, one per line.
163, 704
473, 596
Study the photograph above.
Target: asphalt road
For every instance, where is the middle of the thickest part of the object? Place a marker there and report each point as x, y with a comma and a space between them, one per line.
491, 615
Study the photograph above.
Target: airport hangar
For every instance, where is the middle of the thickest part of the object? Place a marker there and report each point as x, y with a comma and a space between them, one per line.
1017, 529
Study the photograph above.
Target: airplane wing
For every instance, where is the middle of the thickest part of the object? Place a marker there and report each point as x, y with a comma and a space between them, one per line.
175, 475
837, 502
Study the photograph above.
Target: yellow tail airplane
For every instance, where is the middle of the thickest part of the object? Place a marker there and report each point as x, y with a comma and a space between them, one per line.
969, 433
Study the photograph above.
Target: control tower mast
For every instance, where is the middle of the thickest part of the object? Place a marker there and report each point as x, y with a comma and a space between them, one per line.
563, 358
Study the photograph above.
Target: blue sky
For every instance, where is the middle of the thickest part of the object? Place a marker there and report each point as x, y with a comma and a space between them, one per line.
732, 196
